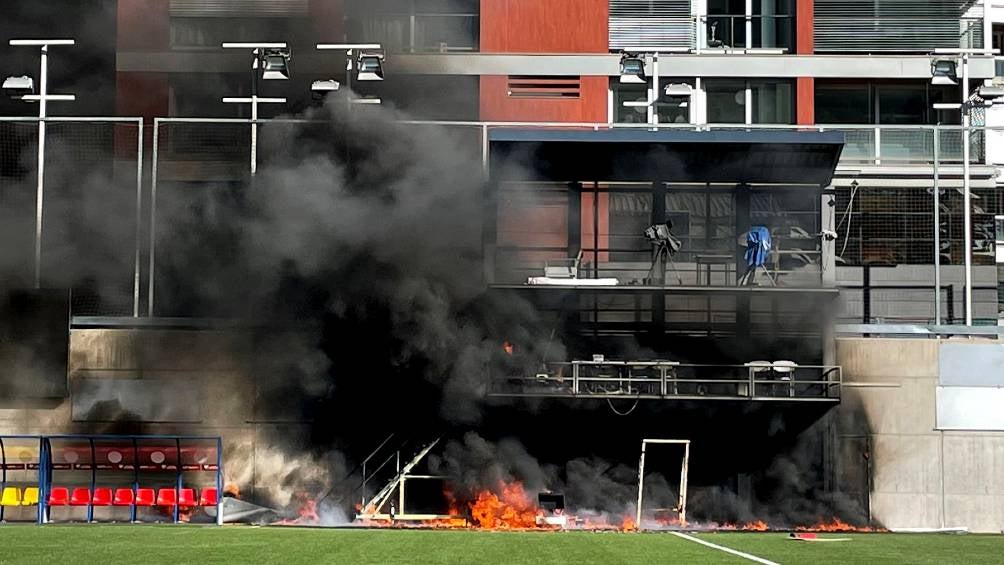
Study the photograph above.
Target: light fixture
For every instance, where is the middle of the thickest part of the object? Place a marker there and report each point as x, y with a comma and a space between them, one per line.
321, 88
678, 94
990, 93
275, 64
943, 72
370, 66
632, 69
18, 87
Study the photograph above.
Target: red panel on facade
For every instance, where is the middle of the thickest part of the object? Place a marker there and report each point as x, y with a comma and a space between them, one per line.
590, 106
544, 26
805, 101
804, 26
602, 238
144, 25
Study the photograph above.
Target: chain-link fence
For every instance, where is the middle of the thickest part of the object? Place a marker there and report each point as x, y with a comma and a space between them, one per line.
79, 228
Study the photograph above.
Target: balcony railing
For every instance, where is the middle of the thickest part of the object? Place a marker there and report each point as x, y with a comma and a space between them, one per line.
668, 380
729, 32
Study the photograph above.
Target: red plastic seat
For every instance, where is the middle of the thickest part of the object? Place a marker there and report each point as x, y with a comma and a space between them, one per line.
80, 497
102, 497
167, 497
208, 497
144, 497
186, 498
59, 496
123, 497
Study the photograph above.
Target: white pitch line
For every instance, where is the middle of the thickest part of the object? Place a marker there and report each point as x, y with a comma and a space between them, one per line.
725, 549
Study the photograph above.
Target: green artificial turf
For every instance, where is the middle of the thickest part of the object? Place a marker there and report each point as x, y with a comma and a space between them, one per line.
918, 549
114, 544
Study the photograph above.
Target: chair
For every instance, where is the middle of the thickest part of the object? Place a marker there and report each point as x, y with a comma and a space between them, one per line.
11, 497
186, 498
59, 496
30, 497
80, 497
208, 497
785, 371
145, 497
757, 371
167, 497
102, 497
123, 497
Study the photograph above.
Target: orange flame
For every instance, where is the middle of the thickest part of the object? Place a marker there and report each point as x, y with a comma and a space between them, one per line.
628, 524
755, 526
834, 525
513, 509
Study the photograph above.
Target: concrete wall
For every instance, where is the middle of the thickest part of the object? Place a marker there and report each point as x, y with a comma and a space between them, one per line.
217, 366
918, 476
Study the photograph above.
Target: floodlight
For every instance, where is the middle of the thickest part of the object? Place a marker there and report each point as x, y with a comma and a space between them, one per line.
632, 69
18, 87
370, 66
321, 88
943, 72
989, 93
678, 94
275, 64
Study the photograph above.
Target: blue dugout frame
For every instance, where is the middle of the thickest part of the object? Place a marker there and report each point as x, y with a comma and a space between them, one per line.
45, 467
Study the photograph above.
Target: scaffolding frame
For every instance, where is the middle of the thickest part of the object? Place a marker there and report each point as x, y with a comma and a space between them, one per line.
682, 497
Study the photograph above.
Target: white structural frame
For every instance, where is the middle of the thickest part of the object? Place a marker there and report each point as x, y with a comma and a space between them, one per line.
962, 56
43, 98
254, 99
682, 500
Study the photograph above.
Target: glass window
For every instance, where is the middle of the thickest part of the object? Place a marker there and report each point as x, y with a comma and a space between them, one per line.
772, 102
772, 24
902, 104
630, 93
417, 26
843, 103
673, 110
726, 101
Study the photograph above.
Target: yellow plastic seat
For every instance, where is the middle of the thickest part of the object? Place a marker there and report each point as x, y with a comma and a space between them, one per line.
11, 497
30, 496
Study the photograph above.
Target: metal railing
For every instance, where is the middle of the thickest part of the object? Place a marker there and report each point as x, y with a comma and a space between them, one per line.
730, 32
668, 380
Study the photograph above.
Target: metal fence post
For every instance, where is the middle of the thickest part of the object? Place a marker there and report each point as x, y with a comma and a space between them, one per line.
139, 221
937, 232
153, 218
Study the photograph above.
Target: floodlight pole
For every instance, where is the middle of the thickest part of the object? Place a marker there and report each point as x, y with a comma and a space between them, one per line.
43, 97
967, 229
967, 220
254, 99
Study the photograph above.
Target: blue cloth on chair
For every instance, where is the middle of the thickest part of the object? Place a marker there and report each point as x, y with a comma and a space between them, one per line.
758, 245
